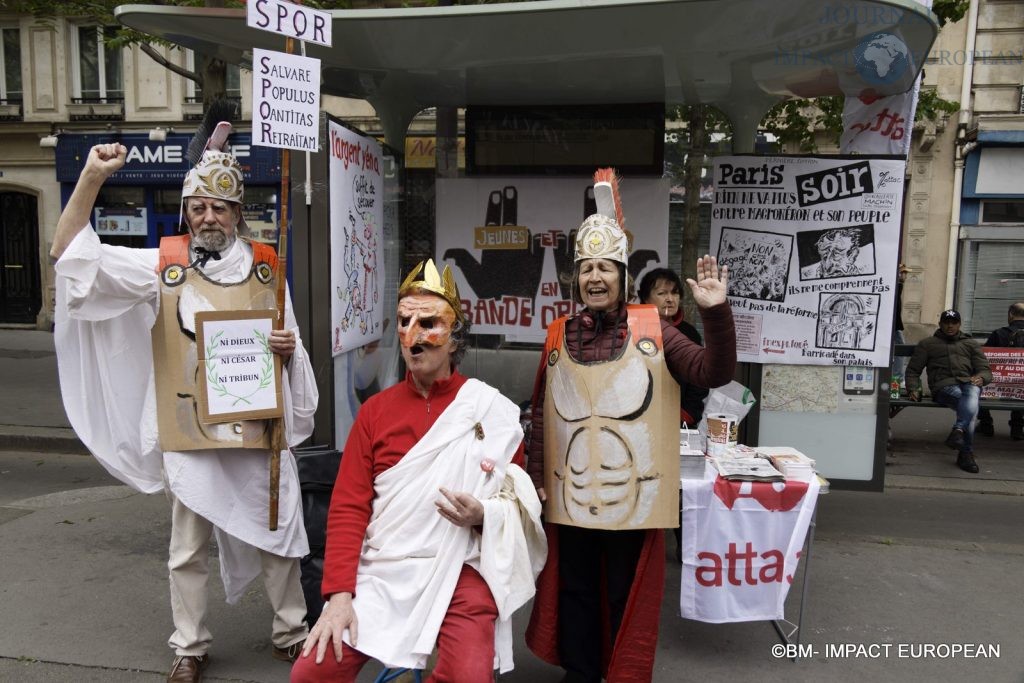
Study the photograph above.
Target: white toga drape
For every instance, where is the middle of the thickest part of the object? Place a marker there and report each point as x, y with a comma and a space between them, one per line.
412, 557
107, 301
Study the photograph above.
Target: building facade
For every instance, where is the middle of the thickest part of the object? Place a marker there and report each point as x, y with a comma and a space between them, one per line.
964, 221
62, 90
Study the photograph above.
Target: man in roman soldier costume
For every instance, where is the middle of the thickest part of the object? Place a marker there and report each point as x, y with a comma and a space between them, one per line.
125, 339
434, 533
603, 452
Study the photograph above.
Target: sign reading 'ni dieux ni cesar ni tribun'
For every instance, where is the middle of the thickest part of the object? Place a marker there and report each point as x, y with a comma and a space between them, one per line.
811, 244
239, 376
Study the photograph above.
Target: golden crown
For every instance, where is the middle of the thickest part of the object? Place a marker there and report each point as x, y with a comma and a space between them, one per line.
442, 284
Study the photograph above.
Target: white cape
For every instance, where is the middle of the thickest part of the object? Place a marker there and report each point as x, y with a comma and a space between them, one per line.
107, 302
412, 557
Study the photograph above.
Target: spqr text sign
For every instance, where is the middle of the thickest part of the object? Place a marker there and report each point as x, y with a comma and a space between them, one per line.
289, 19
286, 100
240, 377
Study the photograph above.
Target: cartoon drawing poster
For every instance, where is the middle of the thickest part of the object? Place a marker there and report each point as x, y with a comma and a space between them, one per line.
357, 219
812, 244
510, 244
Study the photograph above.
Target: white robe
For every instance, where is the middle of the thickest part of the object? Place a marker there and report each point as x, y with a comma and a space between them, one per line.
412, 557
107, 302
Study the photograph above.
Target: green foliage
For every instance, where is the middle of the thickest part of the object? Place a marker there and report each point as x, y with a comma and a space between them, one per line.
794, 122
950, 10
931, 107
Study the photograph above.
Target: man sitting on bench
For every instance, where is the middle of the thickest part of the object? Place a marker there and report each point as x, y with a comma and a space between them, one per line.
957, 370
1010, 336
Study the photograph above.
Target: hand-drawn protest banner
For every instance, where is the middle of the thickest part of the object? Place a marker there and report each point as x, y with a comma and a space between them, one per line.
510, 244
811, 243
357, 220
240, 377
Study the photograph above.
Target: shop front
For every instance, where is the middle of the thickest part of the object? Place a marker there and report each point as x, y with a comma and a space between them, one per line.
141, 202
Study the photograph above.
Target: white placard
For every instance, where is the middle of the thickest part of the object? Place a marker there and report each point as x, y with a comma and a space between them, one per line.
289, 19
357, 220
286, 100
811, 245
239, 372
510, 244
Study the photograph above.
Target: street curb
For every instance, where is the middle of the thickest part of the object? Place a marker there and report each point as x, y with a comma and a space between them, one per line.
42, 439
955, 484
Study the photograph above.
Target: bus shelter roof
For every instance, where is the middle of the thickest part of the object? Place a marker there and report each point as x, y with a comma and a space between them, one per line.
741, 56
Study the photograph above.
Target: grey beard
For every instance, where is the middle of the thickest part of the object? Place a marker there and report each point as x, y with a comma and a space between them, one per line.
212, 240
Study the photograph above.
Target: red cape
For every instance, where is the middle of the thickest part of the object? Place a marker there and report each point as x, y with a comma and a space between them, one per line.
632, 659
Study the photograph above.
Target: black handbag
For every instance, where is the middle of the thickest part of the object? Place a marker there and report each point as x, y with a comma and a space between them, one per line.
318, 468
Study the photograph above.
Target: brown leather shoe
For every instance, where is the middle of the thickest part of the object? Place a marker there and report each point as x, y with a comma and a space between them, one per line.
288, 654
188, 669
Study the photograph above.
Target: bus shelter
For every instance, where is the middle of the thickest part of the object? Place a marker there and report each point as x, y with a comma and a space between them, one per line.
741, 56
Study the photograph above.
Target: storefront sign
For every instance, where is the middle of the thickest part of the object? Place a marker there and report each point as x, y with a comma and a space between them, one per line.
120, 221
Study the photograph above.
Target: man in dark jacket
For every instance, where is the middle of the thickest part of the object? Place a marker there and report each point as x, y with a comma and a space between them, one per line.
1012, 335
957, 370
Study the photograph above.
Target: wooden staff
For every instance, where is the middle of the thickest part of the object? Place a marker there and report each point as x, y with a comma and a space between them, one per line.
277, 436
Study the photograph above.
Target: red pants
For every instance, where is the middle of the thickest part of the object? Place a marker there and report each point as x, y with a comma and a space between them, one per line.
465, 643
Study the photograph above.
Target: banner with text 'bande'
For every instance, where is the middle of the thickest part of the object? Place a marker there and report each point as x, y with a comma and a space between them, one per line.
510, 244
811, 243
357, 222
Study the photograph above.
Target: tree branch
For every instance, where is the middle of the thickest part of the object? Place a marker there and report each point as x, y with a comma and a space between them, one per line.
162, 61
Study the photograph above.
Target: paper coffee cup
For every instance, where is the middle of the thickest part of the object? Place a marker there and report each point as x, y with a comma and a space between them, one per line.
722, 432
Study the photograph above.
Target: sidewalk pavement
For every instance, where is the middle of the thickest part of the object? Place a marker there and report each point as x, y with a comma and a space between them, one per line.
83, 588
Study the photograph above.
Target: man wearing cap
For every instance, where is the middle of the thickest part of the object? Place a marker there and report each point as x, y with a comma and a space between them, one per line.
957, 370
125, 340
1010, 336
434, 534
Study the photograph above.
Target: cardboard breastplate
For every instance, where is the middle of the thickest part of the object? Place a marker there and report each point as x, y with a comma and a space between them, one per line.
184, 292
611, 434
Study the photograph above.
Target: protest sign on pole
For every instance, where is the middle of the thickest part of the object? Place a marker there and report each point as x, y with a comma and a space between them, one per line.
285, 100
291, 20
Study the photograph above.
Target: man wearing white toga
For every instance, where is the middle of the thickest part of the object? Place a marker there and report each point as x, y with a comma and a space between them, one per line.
125, 339
434, 534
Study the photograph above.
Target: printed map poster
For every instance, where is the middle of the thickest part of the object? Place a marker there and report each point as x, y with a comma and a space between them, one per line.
811, 243
510, 244
239, 376
357, 220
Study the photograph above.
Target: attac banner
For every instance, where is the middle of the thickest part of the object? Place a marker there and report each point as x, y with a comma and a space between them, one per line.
742, 543
811, 243
510, 244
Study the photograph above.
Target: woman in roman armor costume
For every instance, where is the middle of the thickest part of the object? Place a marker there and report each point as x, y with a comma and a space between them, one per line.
604, 440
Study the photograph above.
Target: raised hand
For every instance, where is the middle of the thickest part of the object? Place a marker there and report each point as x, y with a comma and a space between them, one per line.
711, 286
106, 159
